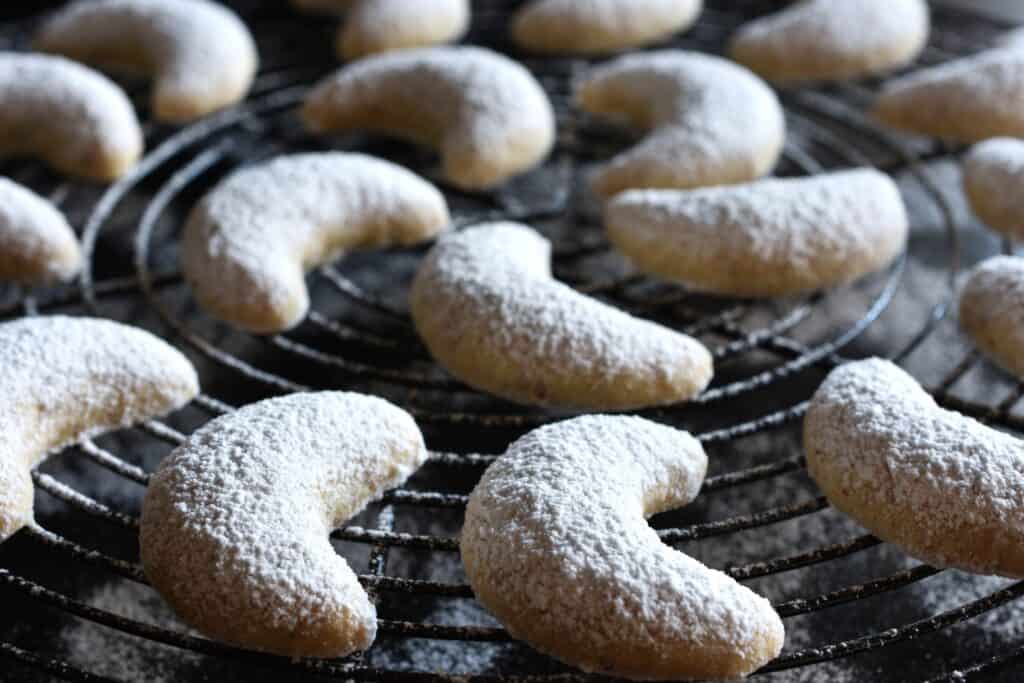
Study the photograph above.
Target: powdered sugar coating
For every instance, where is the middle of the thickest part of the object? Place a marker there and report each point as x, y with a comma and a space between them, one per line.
964, 100
711, 122
773, 237
486, 114
555, 544
66, 379
993, 175
600, 26
486, 305
248, 243
992, 310
373, 26
814, 40
200, 54
37, 246
236, 522
946, 488
74, 118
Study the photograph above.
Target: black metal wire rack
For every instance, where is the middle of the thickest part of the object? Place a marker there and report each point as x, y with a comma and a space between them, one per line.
769, 357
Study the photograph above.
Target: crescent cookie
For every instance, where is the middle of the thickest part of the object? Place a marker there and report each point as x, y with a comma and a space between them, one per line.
768, 238
381, 25
993, 174
37, 246
72, 117
486, 305
825, 40
711, 122
963, 100
556, 545
596, 27
944, 487
992, 310
236, 522
248, 244
487, 115
66, 379
201, 56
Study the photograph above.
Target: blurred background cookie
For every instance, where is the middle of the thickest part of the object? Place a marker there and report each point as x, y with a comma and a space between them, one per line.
596, 27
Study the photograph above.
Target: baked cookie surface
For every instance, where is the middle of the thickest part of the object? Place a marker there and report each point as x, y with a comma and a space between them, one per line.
67, 379
709, 121
768, 238
248, 244
826, 40
596, 27
487, 115
486, 305
556, 545
200, 55
236, 522
964, 100
76, 119
992, 310
37, 246
943, 486
373, 26
993, 173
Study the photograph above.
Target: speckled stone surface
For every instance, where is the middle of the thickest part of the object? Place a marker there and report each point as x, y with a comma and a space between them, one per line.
825, 128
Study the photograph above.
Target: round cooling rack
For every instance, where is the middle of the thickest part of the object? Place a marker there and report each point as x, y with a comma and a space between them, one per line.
74, 603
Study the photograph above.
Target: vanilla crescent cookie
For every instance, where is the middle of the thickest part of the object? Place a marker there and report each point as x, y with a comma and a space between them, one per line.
992, 310
711, 122
768, 238
486, 114
556, 545
821, 40
201, 56
963, 100
66, 379
600, 26
993, 175
236, 522
75, 119
944, 487
248, 244
381, 25
373, 26
486, 305
37, 246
